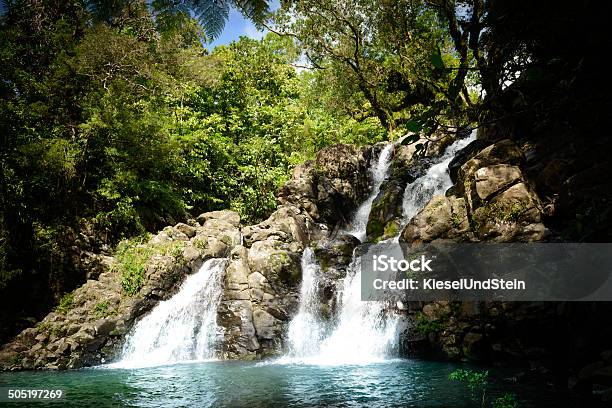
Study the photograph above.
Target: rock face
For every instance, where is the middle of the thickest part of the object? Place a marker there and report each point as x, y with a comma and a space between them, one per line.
262, 284
331, 186
506, 192
90, 326
386, 215
490, 200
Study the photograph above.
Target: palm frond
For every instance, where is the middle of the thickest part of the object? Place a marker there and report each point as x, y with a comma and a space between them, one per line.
256, 10
212, 14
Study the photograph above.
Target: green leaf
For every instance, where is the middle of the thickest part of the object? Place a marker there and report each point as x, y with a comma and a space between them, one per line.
410, 140
414, 126
436, 59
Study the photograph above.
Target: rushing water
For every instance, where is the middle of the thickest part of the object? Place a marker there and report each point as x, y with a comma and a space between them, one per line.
361, 332
307, 329
434, 182
379, 173
168, 359
182, 328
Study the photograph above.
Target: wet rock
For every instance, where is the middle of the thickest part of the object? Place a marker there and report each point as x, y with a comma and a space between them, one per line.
386, 212
336, 252
266, 325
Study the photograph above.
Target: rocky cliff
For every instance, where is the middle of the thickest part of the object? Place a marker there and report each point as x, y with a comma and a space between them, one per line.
517, 191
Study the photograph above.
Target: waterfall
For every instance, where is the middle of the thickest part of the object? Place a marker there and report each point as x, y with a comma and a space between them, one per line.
379, 174
364, 332
361, 332
435, 182
307, 330
182, 328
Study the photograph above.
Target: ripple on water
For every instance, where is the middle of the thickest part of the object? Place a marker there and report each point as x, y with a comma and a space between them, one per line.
248, 384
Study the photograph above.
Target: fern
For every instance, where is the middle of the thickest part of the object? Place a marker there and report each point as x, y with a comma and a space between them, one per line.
212, 14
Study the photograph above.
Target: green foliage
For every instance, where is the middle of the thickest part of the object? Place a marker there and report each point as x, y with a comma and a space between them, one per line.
478, 383
393, 61
132, 257
65, 304
102, 309
134, 254
425, 325
506, 401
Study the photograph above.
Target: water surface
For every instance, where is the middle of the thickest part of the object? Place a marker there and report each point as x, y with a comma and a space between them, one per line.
409, 383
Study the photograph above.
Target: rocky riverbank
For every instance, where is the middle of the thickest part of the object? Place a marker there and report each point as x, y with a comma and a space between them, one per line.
501, 192
261, 283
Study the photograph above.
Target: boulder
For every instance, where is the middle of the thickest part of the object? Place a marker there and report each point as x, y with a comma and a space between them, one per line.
513, 215
329, 187
267, 326
287, 224
503, 152
231, 217
442, 218
276, 262
491, 179
188, 230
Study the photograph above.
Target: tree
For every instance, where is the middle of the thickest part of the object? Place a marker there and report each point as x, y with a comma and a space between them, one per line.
396, 54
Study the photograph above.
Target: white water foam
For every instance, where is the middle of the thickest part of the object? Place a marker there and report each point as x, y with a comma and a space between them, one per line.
182, 328
379, 172
307, 329
435, 182
362, 334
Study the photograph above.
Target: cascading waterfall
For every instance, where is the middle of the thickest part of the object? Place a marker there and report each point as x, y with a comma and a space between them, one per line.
182, 328
435, 182
379, 174
363, 332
